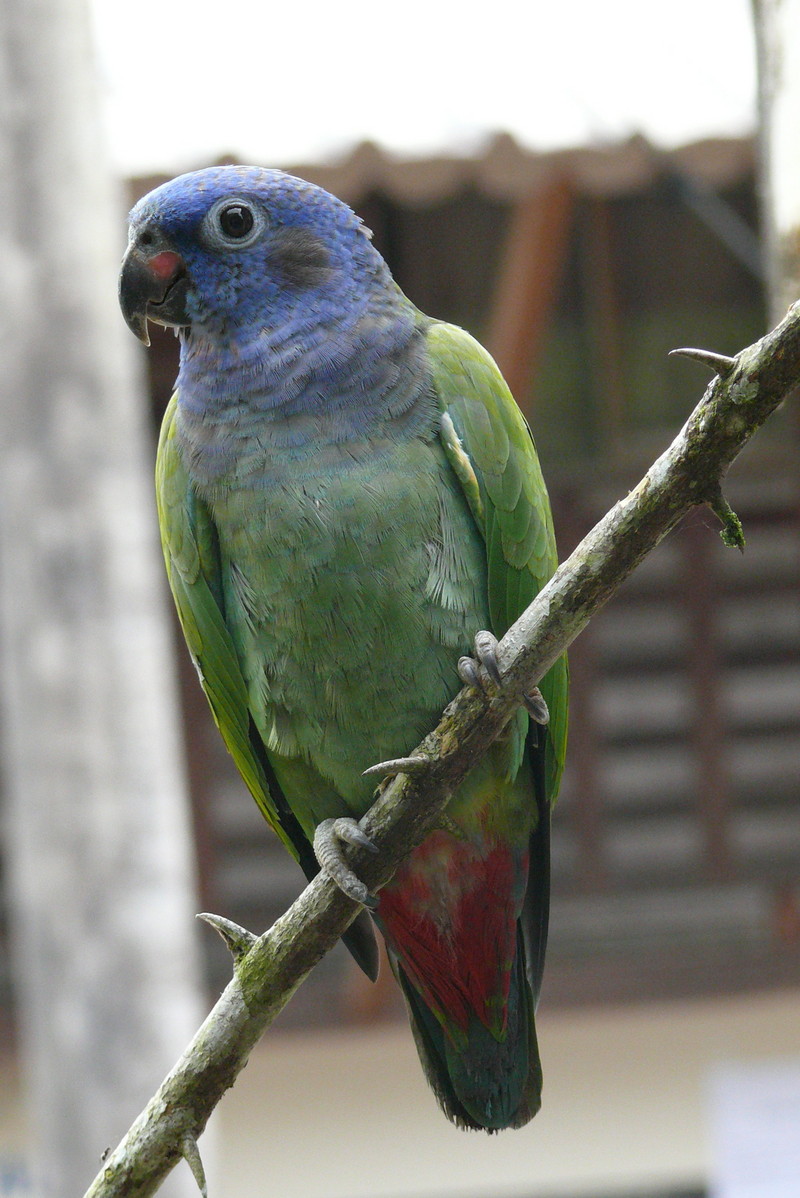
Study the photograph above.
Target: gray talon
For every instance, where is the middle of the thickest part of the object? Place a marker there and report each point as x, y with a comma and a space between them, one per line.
536, 706
486, 653
351, 832
468, 672
328, 839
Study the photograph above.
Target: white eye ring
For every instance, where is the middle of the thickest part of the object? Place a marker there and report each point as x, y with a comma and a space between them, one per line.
237, 209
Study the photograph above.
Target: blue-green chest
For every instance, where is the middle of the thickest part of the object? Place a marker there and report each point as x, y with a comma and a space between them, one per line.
350, 595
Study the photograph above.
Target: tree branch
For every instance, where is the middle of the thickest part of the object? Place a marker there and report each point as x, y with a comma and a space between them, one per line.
688, 474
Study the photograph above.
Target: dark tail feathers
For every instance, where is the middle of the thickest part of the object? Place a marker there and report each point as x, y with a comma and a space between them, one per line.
489, 1084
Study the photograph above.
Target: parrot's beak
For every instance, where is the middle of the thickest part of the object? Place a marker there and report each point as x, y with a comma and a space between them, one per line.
152, 286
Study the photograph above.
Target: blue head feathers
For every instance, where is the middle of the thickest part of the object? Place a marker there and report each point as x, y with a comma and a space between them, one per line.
257, 246
285, 307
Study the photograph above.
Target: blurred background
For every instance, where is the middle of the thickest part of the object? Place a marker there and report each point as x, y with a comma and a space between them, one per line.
584, 188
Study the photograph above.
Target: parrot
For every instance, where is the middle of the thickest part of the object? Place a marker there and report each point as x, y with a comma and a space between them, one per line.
352, 511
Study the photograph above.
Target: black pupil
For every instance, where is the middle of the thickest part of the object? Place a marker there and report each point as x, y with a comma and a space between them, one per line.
236, 221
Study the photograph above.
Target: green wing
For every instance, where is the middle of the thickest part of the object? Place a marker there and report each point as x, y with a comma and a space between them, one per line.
490, 448
189, 541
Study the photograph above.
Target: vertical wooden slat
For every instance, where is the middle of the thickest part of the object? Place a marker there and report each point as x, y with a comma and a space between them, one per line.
602, 313
585, 759
365, 1002
704, 665
584, 749
527, 287
786, 911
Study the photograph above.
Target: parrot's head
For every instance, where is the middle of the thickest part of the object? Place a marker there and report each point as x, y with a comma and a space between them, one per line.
233, 248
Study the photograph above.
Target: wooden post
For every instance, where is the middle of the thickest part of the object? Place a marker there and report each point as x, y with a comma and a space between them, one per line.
588, 812
604, 326
778, 43
527, 287
99, 863
709, 737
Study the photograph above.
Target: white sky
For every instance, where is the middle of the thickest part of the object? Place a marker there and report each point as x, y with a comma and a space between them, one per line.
280, 83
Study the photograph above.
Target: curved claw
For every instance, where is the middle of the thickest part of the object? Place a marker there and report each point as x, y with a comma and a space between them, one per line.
468, 672
328, 839
536, 706
486, 653
486, 656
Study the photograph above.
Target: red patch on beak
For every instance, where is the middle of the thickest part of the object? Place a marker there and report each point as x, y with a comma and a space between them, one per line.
165, 265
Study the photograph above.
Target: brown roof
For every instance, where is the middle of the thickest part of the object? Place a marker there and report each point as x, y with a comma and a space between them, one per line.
507, 170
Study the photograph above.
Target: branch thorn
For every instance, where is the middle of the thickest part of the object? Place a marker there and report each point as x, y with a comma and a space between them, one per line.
721, 364
238, 940
397, 765
191, 1154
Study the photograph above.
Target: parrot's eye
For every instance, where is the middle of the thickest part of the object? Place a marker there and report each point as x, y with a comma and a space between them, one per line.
235, 221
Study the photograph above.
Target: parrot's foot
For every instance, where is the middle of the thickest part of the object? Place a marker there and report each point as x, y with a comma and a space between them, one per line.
486, 656
477, 671
328, 840
397, 765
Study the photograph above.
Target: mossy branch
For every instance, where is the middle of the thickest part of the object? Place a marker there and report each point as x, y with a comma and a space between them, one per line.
745, 391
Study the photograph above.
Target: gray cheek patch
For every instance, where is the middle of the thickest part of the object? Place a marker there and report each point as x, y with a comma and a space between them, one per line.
300, 257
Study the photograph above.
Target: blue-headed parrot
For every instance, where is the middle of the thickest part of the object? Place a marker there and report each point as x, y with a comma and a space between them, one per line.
347, 494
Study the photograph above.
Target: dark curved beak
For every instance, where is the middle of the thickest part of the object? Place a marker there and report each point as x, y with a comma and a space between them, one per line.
152, 286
